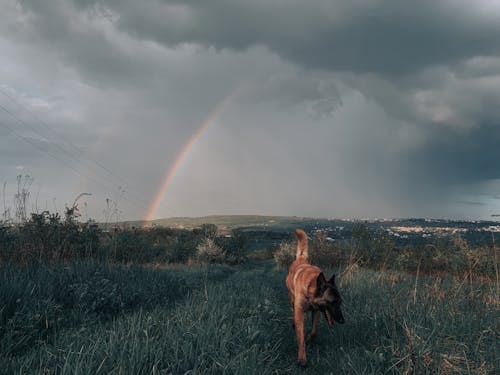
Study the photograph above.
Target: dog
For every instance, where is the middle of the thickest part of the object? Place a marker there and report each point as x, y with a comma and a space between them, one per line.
309, 290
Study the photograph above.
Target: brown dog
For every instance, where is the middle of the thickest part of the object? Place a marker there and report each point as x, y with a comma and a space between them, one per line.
308, 290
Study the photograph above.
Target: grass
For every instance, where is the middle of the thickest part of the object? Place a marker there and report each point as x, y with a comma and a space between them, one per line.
225, 320
40, 301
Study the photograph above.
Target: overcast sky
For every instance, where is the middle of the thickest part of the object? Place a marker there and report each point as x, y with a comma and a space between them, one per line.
376, 108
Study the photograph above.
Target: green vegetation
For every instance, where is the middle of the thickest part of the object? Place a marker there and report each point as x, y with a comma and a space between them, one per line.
77, 298
40, 300
47, 237
92, 319
377, 251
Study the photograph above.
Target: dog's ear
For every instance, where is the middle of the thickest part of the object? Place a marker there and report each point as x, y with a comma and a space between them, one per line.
332, 280
320, 284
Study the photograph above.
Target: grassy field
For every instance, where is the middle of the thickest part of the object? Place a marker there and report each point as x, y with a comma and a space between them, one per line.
89, 318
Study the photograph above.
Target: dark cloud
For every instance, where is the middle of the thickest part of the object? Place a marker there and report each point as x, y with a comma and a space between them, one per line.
460, 158
387, 108
387, 37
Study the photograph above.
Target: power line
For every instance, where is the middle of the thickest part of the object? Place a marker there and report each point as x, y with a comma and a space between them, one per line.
80, 152
34, 144
15, 101
109, 180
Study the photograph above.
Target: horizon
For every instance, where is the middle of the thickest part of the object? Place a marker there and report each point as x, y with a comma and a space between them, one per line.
331, 218
181, 110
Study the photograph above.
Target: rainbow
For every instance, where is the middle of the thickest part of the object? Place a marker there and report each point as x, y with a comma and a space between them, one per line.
174, 168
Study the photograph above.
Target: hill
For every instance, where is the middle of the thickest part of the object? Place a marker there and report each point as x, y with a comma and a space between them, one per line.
222, 221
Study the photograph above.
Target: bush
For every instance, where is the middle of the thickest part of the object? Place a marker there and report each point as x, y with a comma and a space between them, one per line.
285, 254
234, 247
46, 237
377, 251
209, 252
323, 252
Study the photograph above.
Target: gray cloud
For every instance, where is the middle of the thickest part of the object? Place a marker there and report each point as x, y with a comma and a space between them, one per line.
388, 37
471, 203
384, 108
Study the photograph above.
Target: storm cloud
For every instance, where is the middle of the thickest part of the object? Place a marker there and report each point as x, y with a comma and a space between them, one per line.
333, 108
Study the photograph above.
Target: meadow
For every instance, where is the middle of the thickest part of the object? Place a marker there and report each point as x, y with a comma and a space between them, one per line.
90, 317
76, 298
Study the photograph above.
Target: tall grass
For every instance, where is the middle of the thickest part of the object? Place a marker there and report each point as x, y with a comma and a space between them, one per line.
47, 237
218, 321
452, 256
39, 301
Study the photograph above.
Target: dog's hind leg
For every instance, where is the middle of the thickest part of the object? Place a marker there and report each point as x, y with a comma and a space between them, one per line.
291, 298
316, 315
299, 330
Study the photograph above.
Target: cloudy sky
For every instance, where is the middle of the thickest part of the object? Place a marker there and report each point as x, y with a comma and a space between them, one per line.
376, 108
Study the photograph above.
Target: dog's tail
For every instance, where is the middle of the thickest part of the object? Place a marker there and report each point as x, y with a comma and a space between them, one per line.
302, 250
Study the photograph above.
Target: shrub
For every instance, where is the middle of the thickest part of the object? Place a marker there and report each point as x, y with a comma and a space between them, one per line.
285, 254
46, 237
209, 252
235, 247
377, 251
323, 252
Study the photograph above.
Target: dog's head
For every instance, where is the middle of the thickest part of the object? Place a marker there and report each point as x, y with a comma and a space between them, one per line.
328, 299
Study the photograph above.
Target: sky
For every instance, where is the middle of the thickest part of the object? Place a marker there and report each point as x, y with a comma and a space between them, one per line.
319, 108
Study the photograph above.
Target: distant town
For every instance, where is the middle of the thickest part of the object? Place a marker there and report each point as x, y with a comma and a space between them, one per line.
270, 230
414, 231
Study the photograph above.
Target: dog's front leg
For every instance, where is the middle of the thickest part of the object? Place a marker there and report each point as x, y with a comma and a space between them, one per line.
316, 315
299, 329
